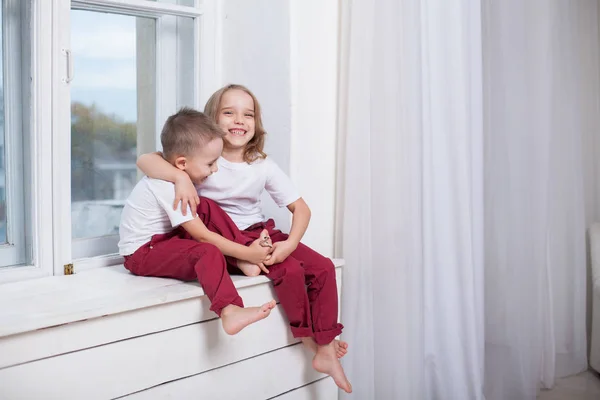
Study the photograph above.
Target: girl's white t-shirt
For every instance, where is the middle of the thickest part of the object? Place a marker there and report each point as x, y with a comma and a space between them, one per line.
237, 188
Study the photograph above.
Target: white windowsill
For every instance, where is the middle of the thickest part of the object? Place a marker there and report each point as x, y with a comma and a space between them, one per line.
46, 302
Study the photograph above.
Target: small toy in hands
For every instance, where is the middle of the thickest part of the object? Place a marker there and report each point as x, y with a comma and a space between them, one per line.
266, 241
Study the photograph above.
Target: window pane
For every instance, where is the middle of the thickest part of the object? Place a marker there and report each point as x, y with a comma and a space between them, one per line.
13, 158
186, 73
114, 64
114, 107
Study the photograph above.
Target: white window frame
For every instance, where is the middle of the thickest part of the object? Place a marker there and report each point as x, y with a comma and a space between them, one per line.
14, 251
37, 85
83, 254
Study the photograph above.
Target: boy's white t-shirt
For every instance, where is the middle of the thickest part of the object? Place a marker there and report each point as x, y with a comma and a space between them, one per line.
237, 189
148, 211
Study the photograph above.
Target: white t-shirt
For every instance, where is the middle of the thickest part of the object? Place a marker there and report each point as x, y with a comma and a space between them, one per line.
148, 211
237, 188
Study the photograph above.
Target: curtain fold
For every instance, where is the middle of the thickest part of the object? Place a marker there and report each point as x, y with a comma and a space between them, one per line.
541, 106
469, 169
411, 227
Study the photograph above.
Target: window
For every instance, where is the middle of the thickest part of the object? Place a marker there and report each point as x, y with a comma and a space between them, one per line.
85, 86
128, 66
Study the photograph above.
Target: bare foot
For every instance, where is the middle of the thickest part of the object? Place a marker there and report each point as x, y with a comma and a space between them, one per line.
248, 268
235, 318
341, 347
326, 361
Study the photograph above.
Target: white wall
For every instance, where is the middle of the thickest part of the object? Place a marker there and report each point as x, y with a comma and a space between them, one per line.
286, 53
314, 55
256, 53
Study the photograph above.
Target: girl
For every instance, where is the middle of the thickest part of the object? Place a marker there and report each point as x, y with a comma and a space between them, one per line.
303, 279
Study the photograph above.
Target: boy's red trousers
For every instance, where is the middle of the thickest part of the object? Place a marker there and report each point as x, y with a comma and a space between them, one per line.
177, 255
305, 282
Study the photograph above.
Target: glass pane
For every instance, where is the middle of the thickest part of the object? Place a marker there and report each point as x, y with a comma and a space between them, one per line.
3, 210
114, 81
185, 63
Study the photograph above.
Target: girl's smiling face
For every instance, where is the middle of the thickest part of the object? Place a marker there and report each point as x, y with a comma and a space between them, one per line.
236, 118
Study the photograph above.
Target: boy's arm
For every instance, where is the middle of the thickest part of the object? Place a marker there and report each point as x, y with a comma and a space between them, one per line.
155, 166
300, 219
254, 253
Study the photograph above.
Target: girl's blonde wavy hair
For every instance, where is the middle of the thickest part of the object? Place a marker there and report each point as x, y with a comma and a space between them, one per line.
255, 147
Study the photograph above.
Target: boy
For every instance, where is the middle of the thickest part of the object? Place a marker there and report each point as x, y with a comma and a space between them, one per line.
159, 241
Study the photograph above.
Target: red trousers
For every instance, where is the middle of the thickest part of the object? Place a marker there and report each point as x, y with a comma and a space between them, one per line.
177, 255
305, 282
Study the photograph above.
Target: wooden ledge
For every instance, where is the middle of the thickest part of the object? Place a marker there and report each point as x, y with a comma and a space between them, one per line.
48, 302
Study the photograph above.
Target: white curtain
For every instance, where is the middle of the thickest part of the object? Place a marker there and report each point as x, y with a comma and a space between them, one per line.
542, 92
412, 199
437, 98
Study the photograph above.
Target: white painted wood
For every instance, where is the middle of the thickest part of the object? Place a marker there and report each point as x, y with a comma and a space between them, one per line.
324, 389
141, 7
37, 304
38, 344
161, 347
105, 260
35, 345
131, 365
60, 189
21, 273
259, 378
38, 141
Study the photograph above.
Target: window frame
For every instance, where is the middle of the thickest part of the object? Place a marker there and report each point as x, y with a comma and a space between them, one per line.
13, 252
83, 253
46, 131
37, 139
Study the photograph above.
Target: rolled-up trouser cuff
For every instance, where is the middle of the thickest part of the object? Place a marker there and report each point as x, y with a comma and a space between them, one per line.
301, 332
325, 337
219, 305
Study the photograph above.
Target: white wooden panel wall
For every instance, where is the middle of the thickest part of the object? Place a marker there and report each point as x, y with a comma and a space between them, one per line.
261, 377
323, 389
31, 346
174, 350
128, 366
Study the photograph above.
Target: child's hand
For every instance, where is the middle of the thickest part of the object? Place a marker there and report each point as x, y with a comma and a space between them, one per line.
185, 192
281, 251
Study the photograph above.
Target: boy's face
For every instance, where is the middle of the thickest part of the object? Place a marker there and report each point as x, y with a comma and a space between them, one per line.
236, 118
204, 162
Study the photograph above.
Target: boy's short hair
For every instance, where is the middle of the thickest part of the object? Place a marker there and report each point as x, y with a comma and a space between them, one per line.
186, 131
